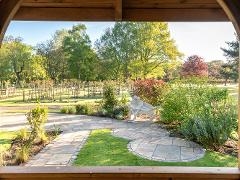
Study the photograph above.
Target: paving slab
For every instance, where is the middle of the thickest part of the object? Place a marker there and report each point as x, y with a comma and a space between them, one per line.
146, 139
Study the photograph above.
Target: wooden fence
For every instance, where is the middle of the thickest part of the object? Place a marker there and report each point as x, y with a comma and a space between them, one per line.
59, 92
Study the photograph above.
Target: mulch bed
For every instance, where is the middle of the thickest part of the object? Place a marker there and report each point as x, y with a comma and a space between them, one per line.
37, 146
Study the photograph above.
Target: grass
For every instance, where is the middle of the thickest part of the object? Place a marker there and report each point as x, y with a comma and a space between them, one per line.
103, 149
6, 139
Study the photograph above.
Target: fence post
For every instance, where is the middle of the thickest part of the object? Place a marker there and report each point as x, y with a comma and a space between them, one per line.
23, 95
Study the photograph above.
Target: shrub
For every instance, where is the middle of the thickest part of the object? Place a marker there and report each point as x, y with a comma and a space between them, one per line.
150, 90
187, 99
22, 135
121, 112
23, 153
204, 113
1, 157
68, 110
86, 109
109, 101
111, 106
37, 118
212, 129
71, 110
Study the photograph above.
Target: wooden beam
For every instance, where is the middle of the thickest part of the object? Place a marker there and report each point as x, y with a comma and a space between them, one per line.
238, 102
65, 14
174, 15
118, 10
232, 9
169, 4
119, 173
8, 9
109, 14
69, 3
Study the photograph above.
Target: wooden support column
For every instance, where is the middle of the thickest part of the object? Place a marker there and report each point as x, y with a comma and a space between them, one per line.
8, 9
232, 9
118, 10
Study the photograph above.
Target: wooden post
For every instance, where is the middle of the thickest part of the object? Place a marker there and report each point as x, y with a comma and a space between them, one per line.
24, 96
239, 104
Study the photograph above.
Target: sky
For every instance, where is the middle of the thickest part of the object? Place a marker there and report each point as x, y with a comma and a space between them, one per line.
203, 39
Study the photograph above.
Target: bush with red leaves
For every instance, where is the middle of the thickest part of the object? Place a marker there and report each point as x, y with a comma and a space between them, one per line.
194, 66
150, 90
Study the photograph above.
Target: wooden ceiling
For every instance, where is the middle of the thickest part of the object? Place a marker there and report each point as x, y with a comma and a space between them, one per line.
121, 10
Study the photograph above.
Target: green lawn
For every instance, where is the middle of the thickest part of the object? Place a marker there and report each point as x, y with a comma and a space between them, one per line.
5, 140
103, 149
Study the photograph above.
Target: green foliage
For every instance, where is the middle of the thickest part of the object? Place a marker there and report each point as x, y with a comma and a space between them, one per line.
23, 153
85, 109
137, 50
82, 60
110, 100
68, 110
121, 112
54, 56
20, 61
230, 69
37, 118
111, 106
204, 113
212, 129
188, 98
22, 135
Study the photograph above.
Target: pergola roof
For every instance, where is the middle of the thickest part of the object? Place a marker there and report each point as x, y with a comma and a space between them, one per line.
125, 10
119, 10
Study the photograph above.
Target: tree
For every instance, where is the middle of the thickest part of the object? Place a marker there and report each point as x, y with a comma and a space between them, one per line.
53, 53
5, 66
215, 68
82, 60
137, 50
232, 54
19, 55
227, 72
35, 69
194, 66
157, 52
116, 48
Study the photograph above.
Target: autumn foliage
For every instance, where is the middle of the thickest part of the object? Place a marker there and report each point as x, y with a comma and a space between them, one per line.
194, 66
150, 90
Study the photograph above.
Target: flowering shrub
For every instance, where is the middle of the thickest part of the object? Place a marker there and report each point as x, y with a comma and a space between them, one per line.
150, 90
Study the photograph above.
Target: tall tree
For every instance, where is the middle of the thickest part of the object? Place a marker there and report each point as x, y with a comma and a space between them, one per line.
232, 55
194, 66
117, 47
137, 49
82, 60
156, 49
215, 68
55, 59
19, 55
35, 69
227, 72
5, 66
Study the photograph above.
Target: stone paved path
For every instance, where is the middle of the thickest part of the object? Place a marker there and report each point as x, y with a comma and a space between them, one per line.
147, 140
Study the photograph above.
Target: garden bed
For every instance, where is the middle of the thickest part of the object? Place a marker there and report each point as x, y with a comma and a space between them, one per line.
9, 156
229, 148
